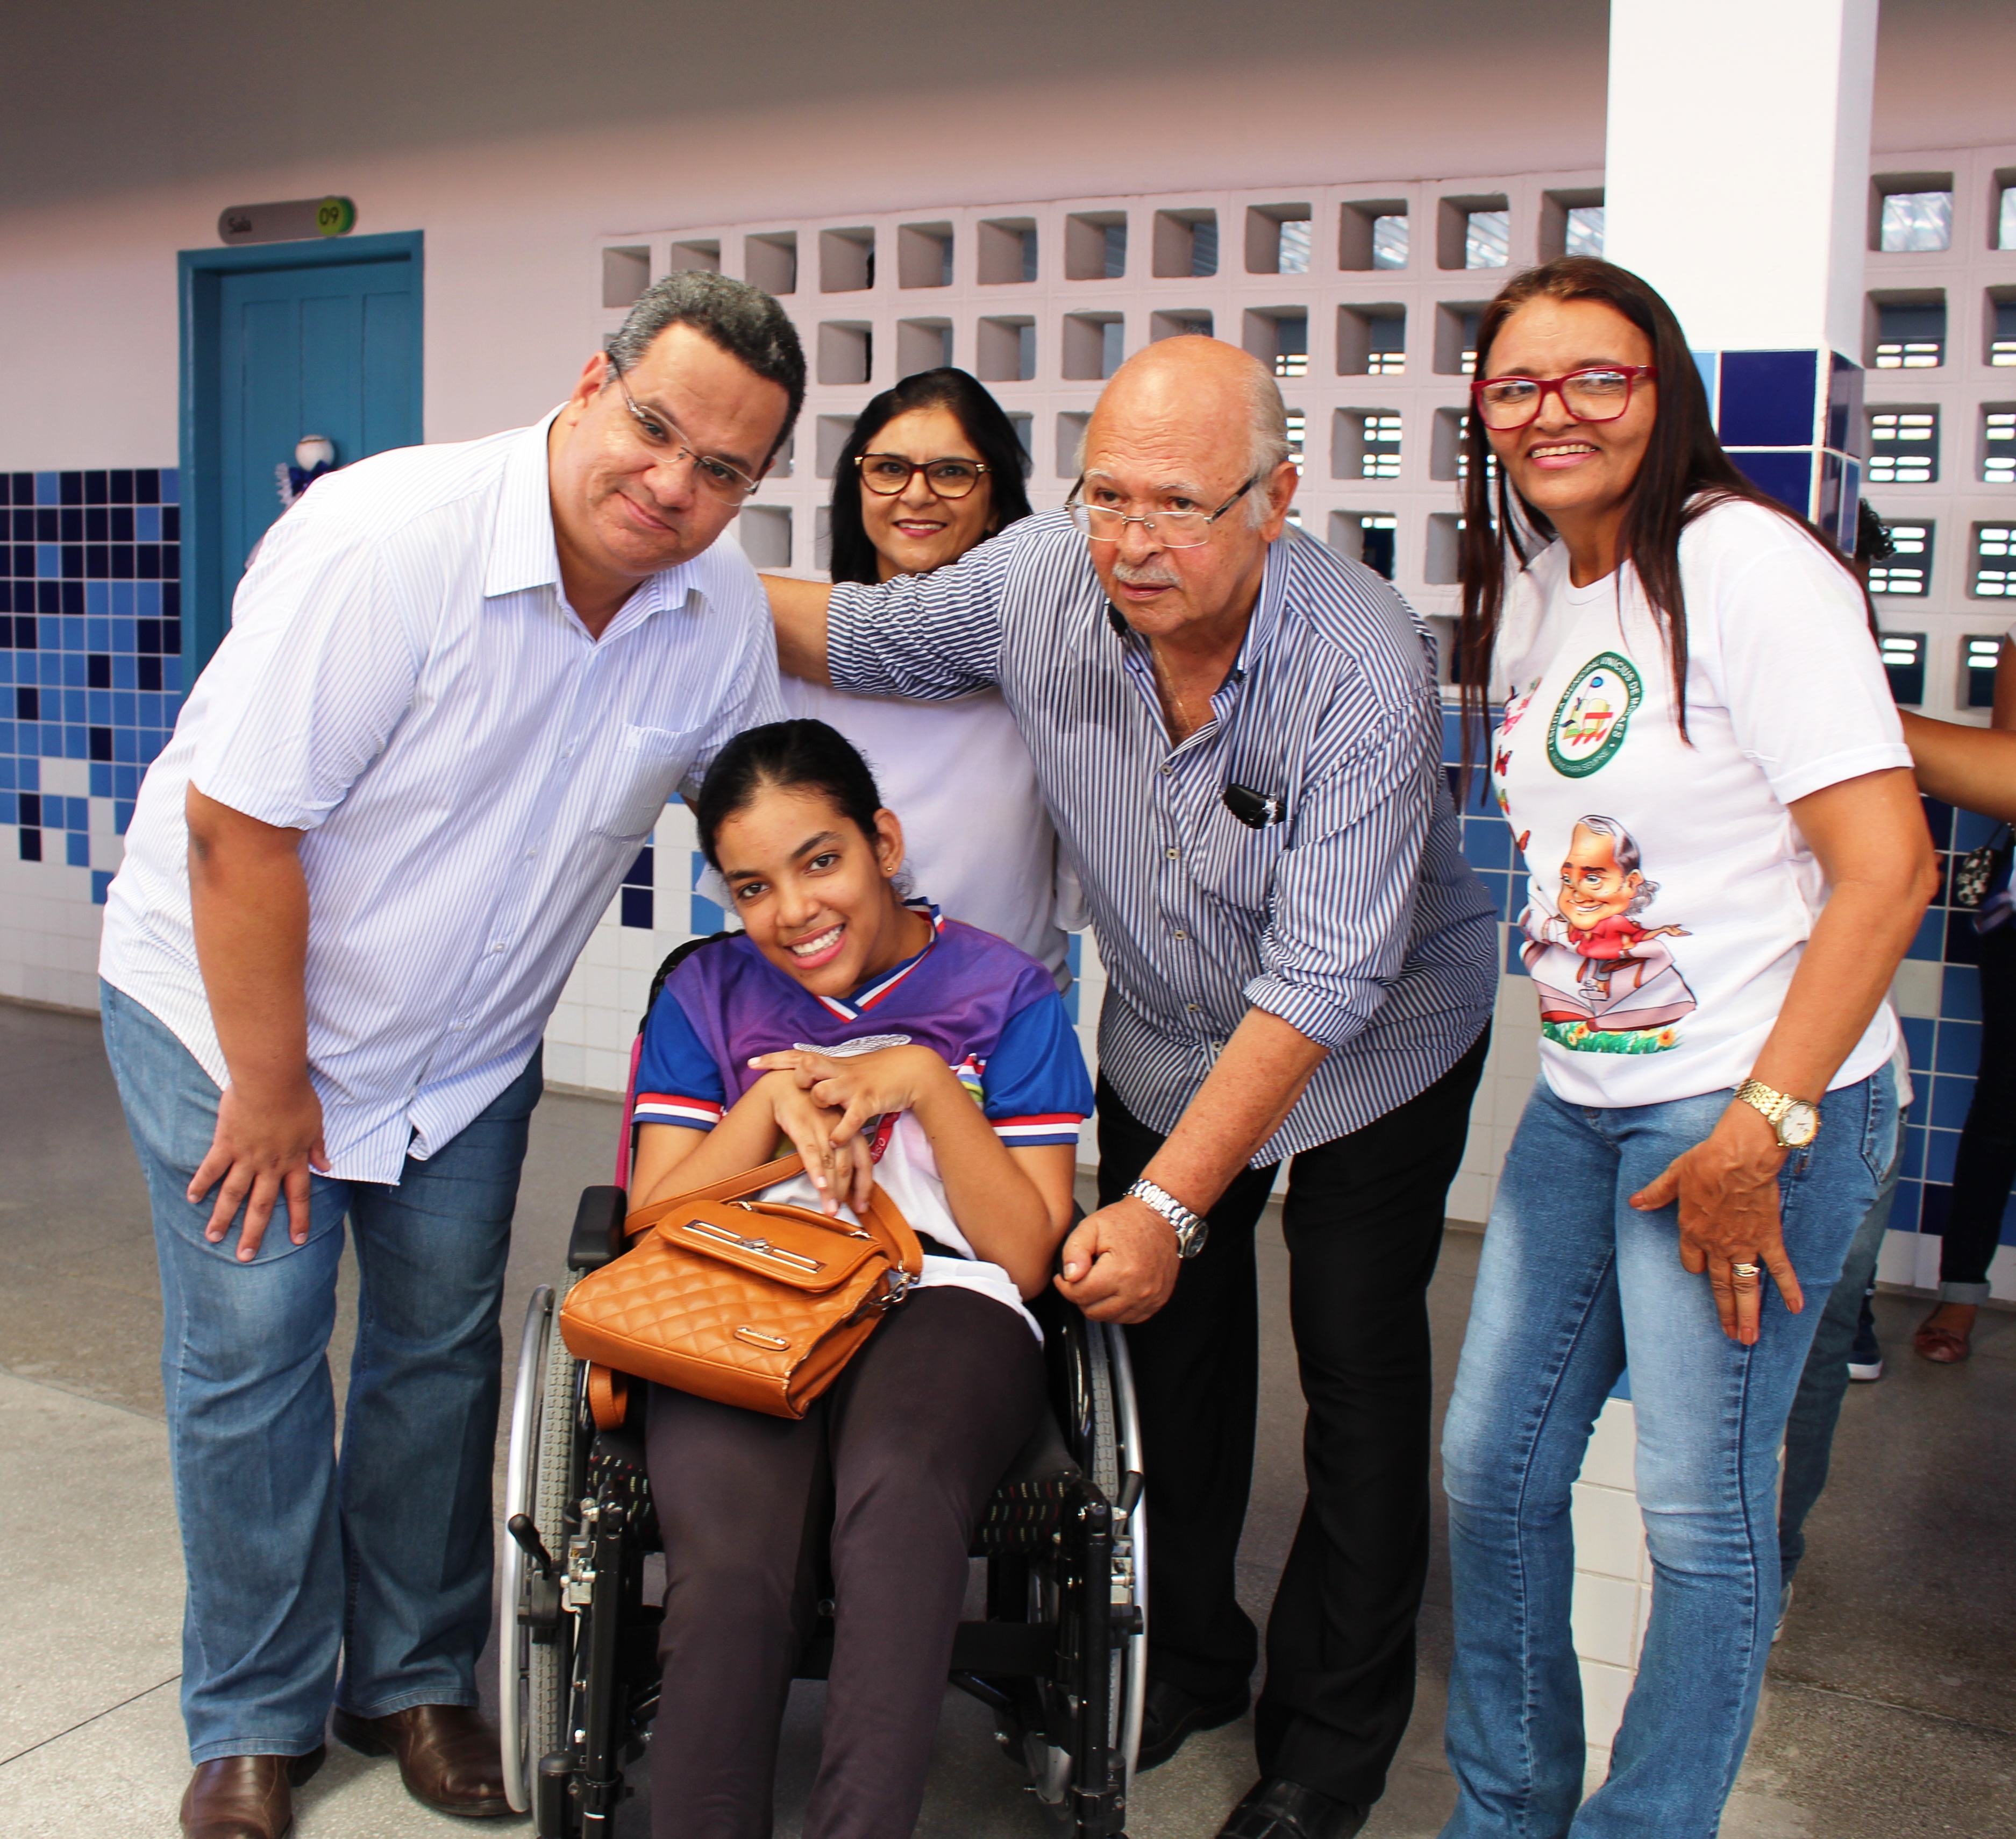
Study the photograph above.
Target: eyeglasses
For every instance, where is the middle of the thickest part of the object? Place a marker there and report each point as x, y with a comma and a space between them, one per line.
1167, 529
888, 474
1601, 393
662, 436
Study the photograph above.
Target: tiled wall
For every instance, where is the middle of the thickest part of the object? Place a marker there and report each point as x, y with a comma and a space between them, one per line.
90, 687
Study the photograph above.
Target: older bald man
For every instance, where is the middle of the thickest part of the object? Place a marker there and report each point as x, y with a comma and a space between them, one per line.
1238, 734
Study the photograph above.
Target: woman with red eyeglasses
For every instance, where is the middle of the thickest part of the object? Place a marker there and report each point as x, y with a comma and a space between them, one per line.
1703, 770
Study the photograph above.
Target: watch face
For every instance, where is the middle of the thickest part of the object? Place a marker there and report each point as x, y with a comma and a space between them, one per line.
1800, 1124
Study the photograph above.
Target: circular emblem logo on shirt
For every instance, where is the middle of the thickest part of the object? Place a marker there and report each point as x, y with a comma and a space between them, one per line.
1594, 711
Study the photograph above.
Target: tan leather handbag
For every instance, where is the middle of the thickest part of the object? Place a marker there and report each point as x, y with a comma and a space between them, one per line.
752, 1302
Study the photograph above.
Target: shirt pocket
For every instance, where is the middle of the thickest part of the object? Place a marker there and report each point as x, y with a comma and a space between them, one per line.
636, 778
1235, 865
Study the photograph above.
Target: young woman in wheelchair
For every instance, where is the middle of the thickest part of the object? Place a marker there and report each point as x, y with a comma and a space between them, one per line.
885, 1044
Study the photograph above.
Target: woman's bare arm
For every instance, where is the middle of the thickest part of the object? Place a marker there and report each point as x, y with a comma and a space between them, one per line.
1973, 768
798, 608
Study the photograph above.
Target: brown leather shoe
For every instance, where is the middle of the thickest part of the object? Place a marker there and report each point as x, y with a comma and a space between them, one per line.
246, 1797
448, 1756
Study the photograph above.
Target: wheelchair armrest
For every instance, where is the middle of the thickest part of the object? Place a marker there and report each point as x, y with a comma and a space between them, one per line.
598, 1228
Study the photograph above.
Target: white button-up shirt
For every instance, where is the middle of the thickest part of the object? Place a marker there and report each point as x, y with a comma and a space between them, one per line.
405, 682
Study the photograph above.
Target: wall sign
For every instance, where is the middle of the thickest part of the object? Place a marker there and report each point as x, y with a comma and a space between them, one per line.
290, 222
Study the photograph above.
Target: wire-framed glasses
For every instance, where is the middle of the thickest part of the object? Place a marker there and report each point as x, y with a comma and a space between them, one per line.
1601, 393
1166, 529
888, 474
663, 437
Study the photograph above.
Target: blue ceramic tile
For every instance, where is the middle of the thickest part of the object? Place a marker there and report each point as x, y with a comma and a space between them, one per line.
1932, 1210
101, 879
1514, 965
1904, 1208
1963, 945
1787, 476
1970, 830
77, 850
1951, 1096
1706, 363
1918, 1042
49, 560
1913, 1168
101, 780
76, 814
30, 771
1843, 416
637, 907
1941, 1146
1929, 943
1938, 821
706, 917
46, 491
1768, 398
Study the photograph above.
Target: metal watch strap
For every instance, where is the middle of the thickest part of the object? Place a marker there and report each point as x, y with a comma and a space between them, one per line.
1774, 1106
1191, 1229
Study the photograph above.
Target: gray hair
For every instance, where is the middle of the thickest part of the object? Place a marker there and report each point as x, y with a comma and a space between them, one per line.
1625, 853
1267, 431
741, 320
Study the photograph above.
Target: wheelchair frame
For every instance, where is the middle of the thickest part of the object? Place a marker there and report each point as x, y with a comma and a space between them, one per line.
1060, 1659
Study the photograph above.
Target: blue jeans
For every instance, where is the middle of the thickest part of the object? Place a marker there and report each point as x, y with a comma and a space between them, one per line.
296, 1553
1573, 1283
1816, 1409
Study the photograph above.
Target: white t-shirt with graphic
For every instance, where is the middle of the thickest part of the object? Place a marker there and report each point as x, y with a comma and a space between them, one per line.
1671, 894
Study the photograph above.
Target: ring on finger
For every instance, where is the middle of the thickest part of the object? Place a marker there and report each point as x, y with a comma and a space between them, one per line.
1749, 1271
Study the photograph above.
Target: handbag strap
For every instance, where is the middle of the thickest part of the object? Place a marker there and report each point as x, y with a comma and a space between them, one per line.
884, 1218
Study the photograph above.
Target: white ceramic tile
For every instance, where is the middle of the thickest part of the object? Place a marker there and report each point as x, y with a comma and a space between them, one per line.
1915, 988
1611, 1458
1604, 1689
70, 778
1605, 1618
1607, 1532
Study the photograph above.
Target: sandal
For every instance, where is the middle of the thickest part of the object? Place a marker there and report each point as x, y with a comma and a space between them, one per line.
1941, 1344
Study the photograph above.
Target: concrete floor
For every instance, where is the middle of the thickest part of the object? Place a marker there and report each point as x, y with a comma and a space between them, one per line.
1890, 1712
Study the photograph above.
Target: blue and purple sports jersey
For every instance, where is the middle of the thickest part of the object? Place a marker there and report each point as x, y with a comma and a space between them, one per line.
990, 1012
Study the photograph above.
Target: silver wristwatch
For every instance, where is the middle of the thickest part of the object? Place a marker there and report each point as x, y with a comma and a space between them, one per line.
1191, 1229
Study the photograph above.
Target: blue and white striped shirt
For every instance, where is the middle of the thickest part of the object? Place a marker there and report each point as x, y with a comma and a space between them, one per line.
404, 681
1355, 919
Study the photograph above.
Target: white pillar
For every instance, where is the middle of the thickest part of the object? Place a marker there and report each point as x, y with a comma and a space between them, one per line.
1736, 165
1737, 181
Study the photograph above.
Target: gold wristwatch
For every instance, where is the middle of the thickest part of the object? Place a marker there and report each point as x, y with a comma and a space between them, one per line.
1796, 1122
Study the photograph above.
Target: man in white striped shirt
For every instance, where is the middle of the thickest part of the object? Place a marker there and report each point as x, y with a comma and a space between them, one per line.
1238, 735
460, 685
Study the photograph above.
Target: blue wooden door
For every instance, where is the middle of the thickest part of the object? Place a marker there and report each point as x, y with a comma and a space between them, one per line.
321, 350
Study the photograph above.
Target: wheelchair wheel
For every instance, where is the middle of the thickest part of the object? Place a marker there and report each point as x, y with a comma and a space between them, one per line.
535, 1681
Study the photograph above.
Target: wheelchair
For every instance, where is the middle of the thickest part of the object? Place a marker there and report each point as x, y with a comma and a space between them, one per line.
1059, 1658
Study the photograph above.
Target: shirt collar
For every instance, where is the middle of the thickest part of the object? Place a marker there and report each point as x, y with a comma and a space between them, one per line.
851, 1008
1260, 629
522, 554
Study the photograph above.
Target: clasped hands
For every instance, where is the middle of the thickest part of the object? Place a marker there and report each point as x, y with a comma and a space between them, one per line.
825, 1105
1120, 1263
1727, 1189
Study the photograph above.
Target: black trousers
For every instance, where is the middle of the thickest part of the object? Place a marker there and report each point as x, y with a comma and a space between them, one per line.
889, 1472
1363, 1222
1985, 1162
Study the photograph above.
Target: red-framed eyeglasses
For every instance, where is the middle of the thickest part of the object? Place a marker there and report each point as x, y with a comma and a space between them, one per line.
1601, 393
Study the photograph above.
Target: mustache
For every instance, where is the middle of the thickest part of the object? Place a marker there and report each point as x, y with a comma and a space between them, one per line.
1145, 575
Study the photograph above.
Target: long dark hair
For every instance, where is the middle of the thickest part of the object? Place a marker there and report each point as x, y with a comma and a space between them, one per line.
794, 756
1685, 472
987, 426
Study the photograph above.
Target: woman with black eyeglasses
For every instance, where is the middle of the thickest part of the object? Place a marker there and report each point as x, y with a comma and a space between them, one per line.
932, 468
1703, 768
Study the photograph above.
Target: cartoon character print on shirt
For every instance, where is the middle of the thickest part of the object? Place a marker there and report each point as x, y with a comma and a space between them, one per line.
1608, 983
